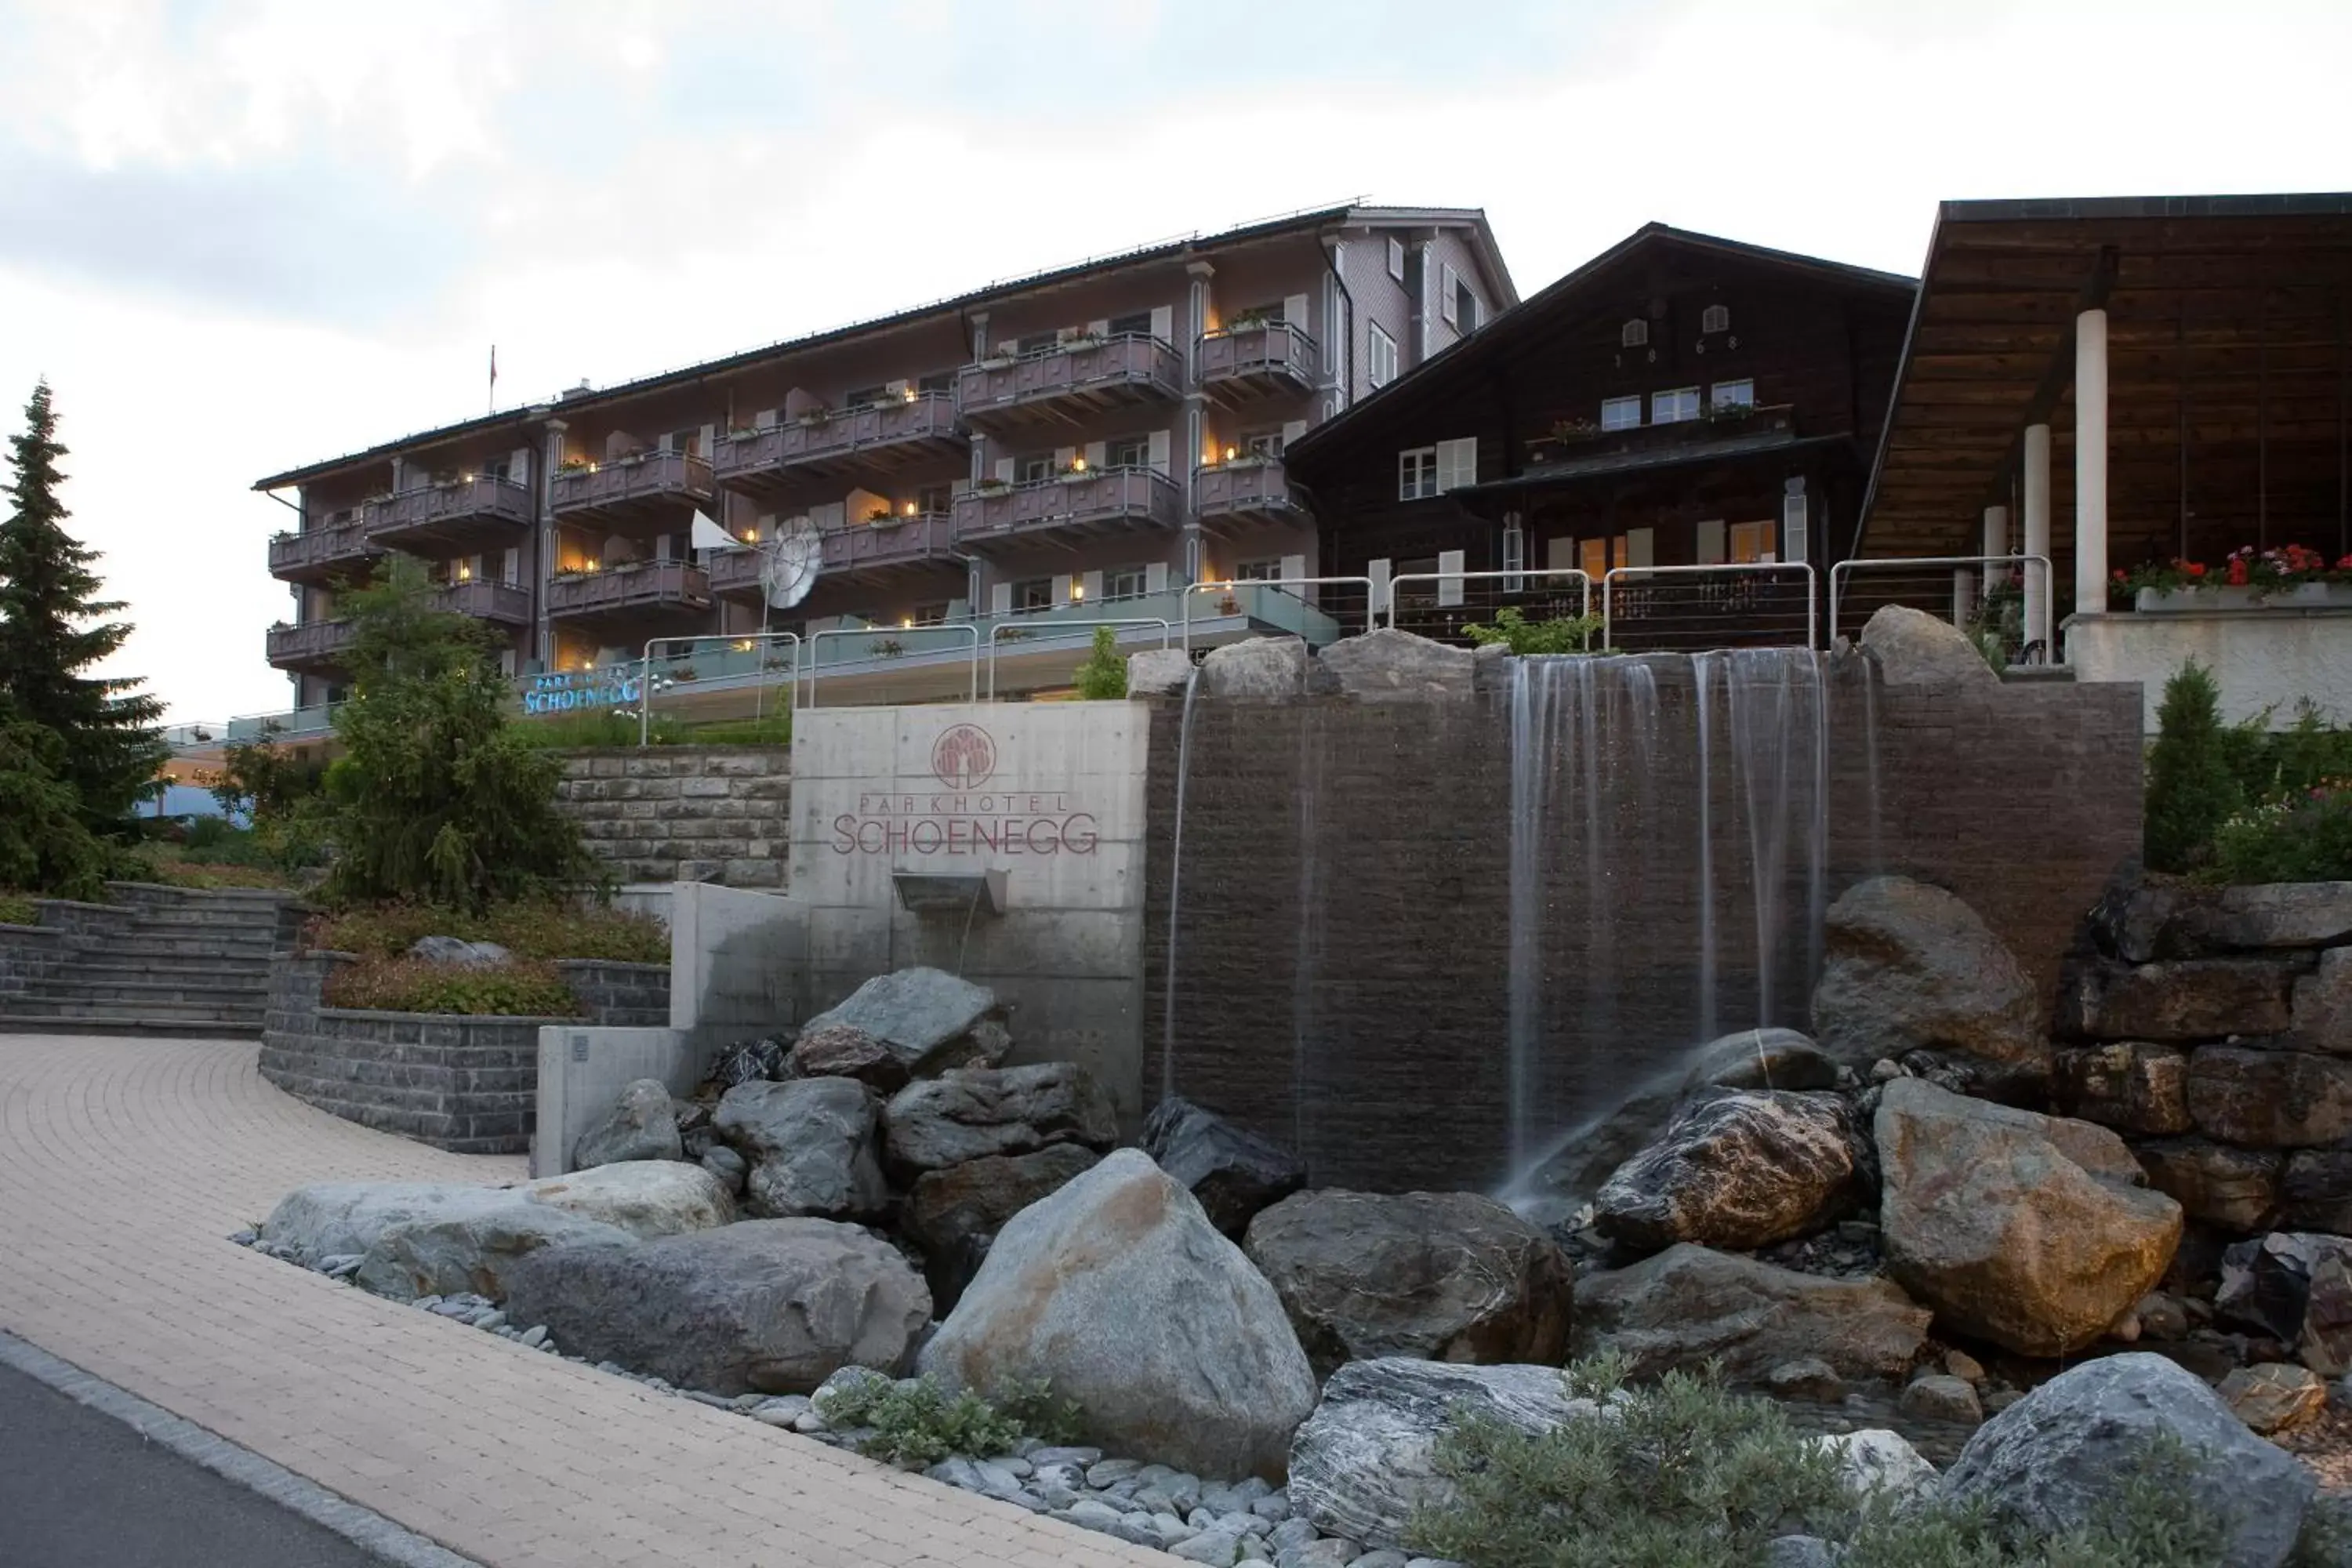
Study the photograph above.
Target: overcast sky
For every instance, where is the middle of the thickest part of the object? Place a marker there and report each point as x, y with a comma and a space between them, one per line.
240, 236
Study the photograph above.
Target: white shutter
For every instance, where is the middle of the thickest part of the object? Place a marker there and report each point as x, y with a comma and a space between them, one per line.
1710, 542
519, 464
510, 572
1101, 328
661, 547
959, 487
661, 443
1066, 458
1093, 588
959, 609
507, 661
765, 419
1155, 577
1449, 588
999, 599
1294, 309
897, 388
1159, 453
1163, 321
1378, 571
1446, 294
1293, 566
1062, 586
1097, 454
1458, 464
1641, 547
709, 435
1005, 469
827, 515
1292, 430
1515, 554
1559, 554
1793, 529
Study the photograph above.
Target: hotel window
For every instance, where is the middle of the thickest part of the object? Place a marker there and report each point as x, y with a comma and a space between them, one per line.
1035, 343
1732, 395
1136, 321
1127, 452
1033, 594
1396, 259
1380, 357
1634, 334
1263, 443
497, 467
1266, 315
1267, 571
865, 396
686, 441
1714, 319
1752, 541
1674, 407
1416, 473
943, 381
1621, 413
932, 498
1033, 469
1127, 583
929, 616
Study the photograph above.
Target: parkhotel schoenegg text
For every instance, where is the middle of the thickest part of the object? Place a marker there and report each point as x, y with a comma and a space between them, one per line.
1030, 823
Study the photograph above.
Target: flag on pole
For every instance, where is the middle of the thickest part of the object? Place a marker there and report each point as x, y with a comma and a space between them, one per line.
494, 378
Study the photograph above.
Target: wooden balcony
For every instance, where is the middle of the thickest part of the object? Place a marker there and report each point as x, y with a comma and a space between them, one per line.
875, 437
1232, 498
650, 590
324, 554
311, 648
1114, 501
479, 513
1267, 359
1070, 382
502, 603
651, 488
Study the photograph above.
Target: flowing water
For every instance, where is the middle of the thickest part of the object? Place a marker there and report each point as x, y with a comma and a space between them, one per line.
1175, 890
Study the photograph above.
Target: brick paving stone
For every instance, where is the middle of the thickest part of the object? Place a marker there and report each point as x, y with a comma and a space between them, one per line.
124, 1164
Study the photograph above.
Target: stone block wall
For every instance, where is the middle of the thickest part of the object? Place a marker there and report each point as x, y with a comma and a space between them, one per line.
2212, 1027
620, 996
690, 814
26, 954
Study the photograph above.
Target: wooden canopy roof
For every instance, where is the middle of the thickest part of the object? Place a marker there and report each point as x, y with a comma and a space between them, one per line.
2227, 373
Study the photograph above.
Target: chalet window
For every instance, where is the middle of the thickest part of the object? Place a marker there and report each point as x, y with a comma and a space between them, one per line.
1674, 406
1752, 541
1396, 259
1127, 452
1636, 334
1416, 473
1621, 413
1136, 321
1732, 395
1795, 522
1127, 583
686, 441
1714, 319
1465, 307
1515, 554
1033, 469
497, 467
1380, 357
1266, 571
1458, 464
1033, 594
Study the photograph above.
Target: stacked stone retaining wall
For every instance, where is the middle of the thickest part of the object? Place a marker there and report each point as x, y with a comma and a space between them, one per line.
692, 814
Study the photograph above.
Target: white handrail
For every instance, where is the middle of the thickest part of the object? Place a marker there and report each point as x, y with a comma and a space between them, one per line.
1754, 568
1047, 628
966, 628
646, 669
1230, 584
1845, 569
1579, 573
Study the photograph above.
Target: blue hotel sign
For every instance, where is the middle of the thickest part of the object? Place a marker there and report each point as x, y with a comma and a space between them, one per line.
569, 691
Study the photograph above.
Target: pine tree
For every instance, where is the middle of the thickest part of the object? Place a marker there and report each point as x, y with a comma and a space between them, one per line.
2191, 788
53, 627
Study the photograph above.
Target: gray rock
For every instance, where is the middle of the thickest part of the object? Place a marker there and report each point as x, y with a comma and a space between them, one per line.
1938, 1396
970, 1115
1449, 1276
1384, 1557
767, 1305
750, 1062
2320, 1014
473, 1243
1909, 967
1109, 1472
811, 1144
954, 1215
2314, 1191
844, 1050
1877, 1460
1741, 1170
1091, 1515
2261, 1098
2179, 1002
2051, 1461
1120, 1292
1807, 1377
1232, 1170
730, 1167
1329, 1552
640, 1126
2267, 1283
1386, 664
2270, 915
457, 951
1912, 648
644, 1198
1158, 672
1365, 1461
783, 1410
1218, 1548
1988, 1218
1265, 666
1764, 1059
922, 1016
343, 1219
1690, 1305
1801, 1551
1290, 1533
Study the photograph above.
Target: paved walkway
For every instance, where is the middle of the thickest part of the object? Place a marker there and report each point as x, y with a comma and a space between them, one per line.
123, 1163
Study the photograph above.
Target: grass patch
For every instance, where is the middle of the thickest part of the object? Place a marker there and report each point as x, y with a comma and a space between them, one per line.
16, 909
529, 930
525, 988
922, 1424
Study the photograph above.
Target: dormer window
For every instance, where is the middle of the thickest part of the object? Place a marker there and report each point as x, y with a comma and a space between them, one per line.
1636, 334
1714, 319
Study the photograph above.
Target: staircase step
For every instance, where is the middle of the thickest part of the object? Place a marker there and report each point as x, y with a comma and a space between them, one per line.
69, 988
18, 1022
103, 964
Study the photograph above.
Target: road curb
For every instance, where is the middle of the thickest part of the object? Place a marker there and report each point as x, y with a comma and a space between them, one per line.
364, 1528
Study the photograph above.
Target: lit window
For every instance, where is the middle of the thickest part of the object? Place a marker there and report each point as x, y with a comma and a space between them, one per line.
1621, 413
1732, 395
1751, 542
1127, 583
1416, 473
1673, 407
1267, 571
1035, 594
1263, 443
1714, 319
1380, 357
1636, 334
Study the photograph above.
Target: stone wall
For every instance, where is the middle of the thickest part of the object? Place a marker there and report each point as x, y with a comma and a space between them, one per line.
1344, 964
26, 954
465, 1084
693, 813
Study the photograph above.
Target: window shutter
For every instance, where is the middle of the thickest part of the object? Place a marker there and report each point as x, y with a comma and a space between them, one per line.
1794, 532
765, 419
959, 487
709, 435
1457, 463
1294, 309
1292, 430
1093, 583
510, 571
1559, 554
1449, 588
959, 609
519, 464
1293, 566
827, 515
1641, 546
999, 599
1097, 454
661, 547
1710, 542
1062, 586
1396, 259
506, 661
1159, 453
1065, 456
1101, 328
764, 526
1005, 469
1378, 571
1155, 577
1445, 296
1163, 321
1515, 555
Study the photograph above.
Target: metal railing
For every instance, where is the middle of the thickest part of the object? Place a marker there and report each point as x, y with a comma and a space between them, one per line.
1955, 587
1052, 633
1726, 604
646, 688
1447, 615
816, 641
1231, 587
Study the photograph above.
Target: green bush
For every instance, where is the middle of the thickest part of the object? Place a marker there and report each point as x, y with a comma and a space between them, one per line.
15, 909
548, 930
2191, 787
43, 842
1565, 633
922, 1424
525, 988
2304, 838
1102, 677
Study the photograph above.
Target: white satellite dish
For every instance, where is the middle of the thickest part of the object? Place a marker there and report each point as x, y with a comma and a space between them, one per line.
790, 562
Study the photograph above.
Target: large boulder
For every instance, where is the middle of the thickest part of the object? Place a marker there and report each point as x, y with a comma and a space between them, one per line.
1763, 1058
812, 1146
2021, 1230
953, 1214
977, 1112
1910, 967
642, 1125
2320, 1014
1158, 671
844, 1050
2269, 915
1231, 1170
1443, 1275
2179, 1002
1741, 1170
1385, 664
1366, 1460
2065, 1456
928, 1018
2263, 1098
1690, 1305
472, 1243
1912, 648
343, 1219
1263, 666
766, 1306
644, 1198
1118, 1291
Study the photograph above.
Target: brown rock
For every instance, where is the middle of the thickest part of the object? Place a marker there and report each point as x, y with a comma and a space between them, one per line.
844, 1050
2322, 1016
2270, 1099
2316, 1191
2136, 919
2325, 1342
1739, 1171
2235, 1188
2274, 1397
1690, 1305
953, 1214
2270, 915
2134, 1085
2187, 1000
1910, 967
1941, 1397
2161, 1317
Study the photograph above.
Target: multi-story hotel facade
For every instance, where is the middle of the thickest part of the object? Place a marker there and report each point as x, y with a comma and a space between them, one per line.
1086, 441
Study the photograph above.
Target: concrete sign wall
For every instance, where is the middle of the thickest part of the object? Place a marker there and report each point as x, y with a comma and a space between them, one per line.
1048, 796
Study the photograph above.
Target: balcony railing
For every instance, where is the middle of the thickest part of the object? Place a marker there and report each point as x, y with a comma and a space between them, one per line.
1110, 501
312, 643
321, 552
653, 585
647, 485
484, 600
1247, 490
458, 513
1083, 374
860, 549
1734, 421
1262, 359
871, 435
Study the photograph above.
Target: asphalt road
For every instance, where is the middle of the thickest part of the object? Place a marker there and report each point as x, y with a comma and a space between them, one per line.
80, 1489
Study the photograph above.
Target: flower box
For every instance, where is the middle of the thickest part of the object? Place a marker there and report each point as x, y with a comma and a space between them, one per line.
2228, 596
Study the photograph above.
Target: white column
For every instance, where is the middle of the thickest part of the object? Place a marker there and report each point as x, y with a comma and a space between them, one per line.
2037, 537
1996, 542
2090, 463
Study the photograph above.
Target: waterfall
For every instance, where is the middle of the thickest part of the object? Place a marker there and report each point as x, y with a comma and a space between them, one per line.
1175, 886
1532, 682
1306, 963
1702, 671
